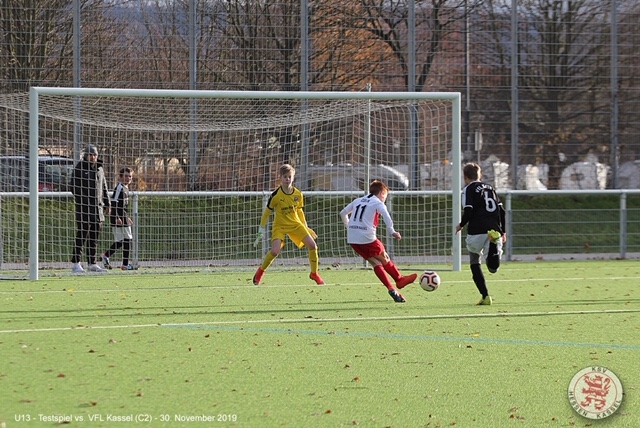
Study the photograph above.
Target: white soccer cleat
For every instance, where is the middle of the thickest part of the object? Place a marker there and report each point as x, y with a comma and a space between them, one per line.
77, 268
95, 268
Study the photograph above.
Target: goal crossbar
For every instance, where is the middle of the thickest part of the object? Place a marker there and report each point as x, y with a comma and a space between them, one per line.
34, 114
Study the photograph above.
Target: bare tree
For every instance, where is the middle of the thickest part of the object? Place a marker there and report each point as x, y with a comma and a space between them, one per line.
35, 43
388, 22
343, 55
628, 80
563, 78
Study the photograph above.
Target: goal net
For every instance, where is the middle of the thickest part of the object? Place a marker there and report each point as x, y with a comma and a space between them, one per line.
205, 162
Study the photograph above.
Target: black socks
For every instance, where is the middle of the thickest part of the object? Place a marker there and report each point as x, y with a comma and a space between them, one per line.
493, 259
478, 279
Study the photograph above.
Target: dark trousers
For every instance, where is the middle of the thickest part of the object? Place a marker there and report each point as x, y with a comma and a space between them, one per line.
126, 249
87, 235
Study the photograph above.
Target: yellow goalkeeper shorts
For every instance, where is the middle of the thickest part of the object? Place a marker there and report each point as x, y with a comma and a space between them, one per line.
296, 234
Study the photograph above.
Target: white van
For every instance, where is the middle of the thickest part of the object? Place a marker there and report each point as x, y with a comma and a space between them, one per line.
347, 177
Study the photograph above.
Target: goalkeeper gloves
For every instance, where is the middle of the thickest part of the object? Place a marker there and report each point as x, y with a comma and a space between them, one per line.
258, 237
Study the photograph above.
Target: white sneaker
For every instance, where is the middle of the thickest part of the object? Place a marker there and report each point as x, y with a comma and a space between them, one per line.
95, 268
77, 268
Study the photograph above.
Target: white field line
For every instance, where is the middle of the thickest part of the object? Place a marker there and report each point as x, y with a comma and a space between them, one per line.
224, 287
326, 320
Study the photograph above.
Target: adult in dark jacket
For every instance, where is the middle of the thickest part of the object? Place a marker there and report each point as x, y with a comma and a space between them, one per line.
91, 195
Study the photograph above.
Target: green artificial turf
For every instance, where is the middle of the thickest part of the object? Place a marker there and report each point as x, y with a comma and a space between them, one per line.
211, 349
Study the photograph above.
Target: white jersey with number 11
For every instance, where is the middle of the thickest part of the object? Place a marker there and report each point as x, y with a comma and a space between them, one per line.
363, 221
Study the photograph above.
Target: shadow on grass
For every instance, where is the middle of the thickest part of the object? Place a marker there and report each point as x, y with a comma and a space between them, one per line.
178, 310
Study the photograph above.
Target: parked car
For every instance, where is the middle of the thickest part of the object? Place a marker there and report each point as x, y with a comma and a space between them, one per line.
347, 177
54, 173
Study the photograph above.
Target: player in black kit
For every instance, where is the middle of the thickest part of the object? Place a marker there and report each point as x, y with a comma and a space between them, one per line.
485, 215
121, 222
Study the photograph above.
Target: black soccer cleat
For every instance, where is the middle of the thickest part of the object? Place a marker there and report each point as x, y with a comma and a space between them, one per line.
397, 297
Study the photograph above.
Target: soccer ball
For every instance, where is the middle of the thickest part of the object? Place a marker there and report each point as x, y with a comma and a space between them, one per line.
429, 280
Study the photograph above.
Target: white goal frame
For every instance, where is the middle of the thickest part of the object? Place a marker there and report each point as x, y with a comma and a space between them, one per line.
35, 92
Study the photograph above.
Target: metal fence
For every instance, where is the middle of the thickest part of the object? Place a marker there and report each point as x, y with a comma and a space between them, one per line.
548, 85
572, 224
186, 231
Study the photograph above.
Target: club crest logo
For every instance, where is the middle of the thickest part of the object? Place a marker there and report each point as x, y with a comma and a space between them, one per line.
595, 392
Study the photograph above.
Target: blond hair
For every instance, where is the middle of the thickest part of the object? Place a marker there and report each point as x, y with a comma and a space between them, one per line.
286, 168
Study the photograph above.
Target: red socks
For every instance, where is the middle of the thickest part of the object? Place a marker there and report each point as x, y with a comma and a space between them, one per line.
381, 273
392, 270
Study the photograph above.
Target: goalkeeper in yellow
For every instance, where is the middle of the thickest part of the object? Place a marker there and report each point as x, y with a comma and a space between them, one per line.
286, 203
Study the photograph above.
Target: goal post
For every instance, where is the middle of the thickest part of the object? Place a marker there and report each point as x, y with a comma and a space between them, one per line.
205, 163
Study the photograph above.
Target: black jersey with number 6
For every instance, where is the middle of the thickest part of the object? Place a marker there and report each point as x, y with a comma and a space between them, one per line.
482, 209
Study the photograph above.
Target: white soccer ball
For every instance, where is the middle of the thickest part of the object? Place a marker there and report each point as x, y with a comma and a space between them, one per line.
429, 280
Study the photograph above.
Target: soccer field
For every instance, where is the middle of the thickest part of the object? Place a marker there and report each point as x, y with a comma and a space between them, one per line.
211, 349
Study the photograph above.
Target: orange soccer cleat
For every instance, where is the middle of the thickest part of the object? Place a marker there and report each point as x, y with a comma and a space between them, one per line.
316, 277
403, 281
258, 276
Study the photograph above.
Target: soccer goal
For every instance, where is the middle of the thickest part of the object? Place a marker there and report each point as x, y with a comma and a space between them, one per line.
205, 163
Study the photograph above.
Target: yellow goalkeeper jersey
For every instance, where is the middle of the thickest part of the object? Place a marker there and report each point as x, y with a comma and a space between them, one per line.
287, 209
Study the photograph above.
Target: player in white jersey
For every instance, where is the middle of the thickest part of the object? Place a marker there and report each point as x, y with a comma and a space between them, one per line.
361, 218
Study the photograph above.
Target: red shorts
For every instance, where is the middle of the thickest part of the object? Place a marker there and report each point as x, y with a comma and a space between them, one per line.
369, 250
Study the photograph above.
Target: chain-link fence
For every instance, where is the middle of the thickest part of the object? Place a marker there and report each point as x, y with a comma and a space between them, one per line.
548, 85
